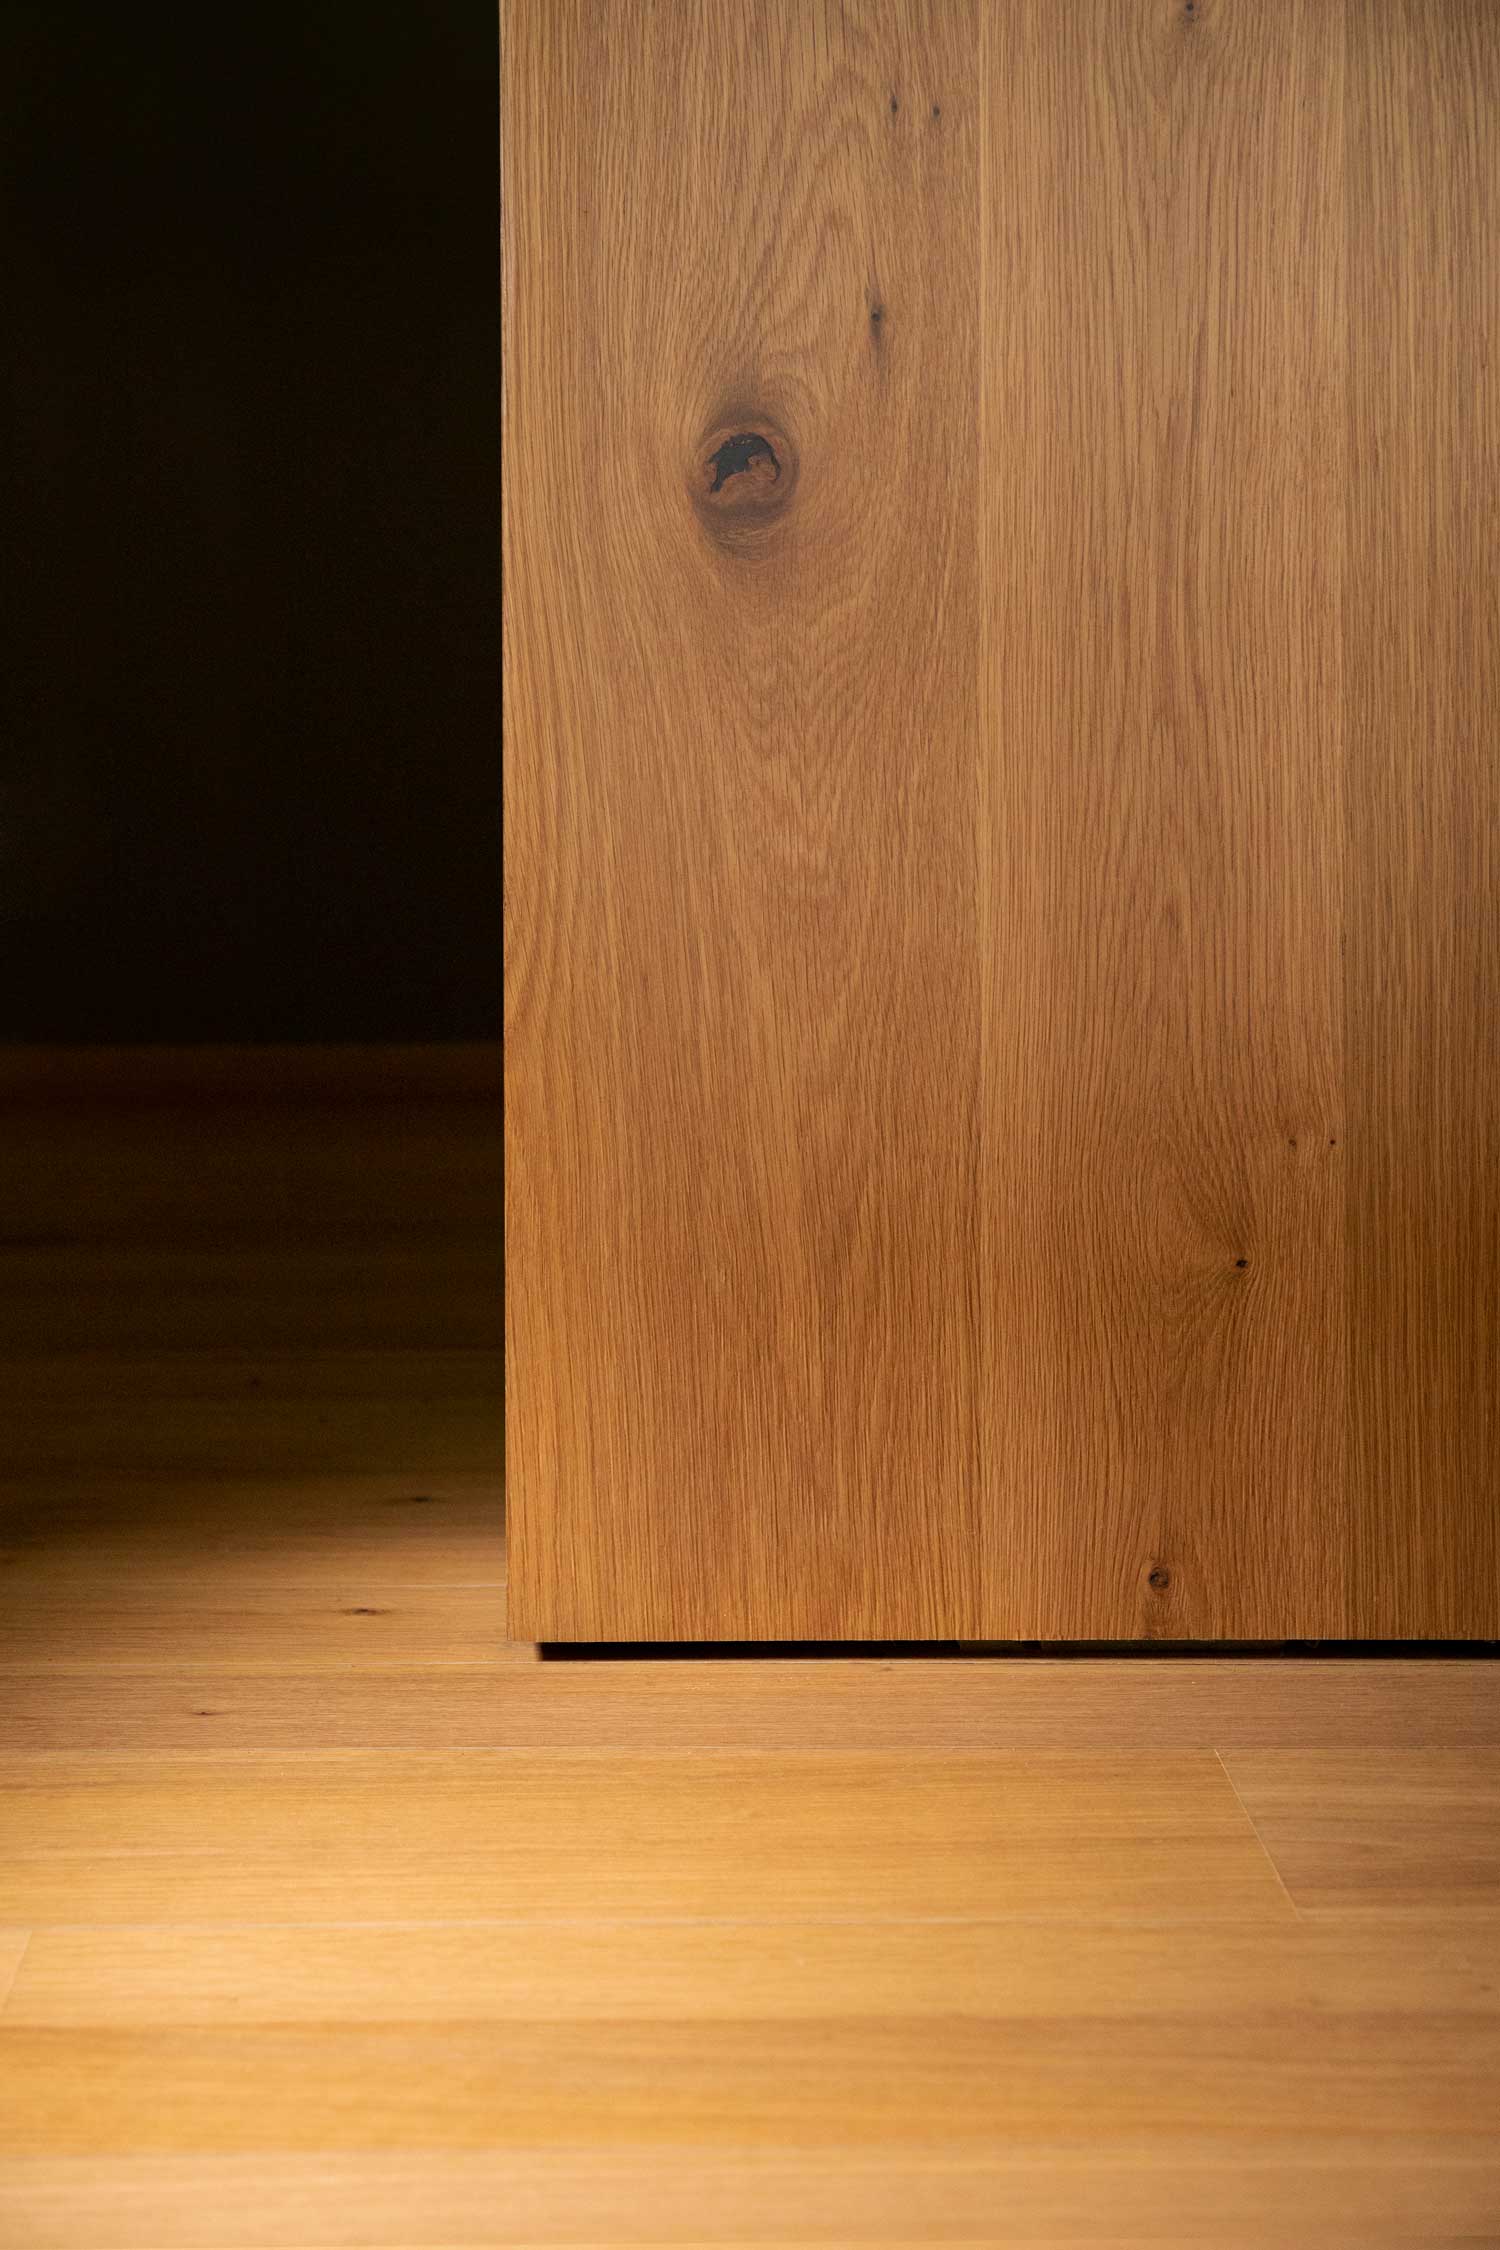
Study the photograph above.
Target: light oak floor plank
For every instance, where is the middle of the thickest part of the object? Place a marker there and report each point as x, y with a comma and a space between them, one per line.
540, 1835
74, 1532
1359, 2193
1379, 1831
951, 2084
178, 1632
1075, 1973
13, 1944
1131, 1706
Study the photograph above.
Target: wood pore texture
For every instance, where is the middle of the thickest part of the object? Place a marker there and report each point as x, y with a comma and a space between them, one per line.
331, 1920
1001, 818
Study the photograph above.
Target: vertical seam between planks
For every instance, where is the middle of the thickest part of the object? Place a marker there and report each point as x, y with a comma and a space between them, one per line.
1270, 1856
9, 1985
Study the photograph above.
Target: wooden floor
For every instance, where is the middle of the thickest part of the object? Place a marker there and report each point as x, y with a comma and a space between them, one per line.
329, 1918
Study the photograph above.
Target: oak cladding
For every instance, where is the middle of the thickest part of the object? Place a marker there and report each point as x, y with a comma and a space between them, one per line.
743, 730
1001, 819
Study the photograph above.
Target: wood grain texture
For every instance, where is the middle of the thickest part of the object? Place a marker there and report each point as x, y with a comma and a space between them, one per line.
378, 1836
1422, 665
352, 1947
856, 1704
13, 1945
1380, 1832
743, 1034
1003, 921
73, 1534
1162, 448
954, 2085
1424, 2189
170, 1631
799, 1972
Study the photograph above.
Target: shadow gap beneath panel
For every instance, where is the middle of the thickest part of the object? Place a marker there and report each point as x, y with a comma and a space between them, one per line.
617, 1652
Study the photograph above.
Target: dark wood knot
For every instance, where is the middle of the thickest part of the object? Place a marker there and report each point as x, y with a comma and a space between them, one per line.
741, 481
746, 454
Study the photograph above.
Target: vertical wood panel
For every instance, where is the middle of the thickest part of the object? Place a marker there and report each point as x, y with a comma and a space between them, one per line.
1163, 1381
1001, 828
1423, 961
743, 1032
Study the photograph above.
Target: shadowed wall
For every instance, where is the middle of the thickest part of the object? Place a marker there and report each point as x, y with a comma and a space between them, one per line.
249, 767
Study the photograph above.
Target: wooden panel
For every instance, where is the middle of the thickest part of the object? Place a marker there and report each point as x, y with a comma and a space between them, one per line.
1163, 449
742, 726
1422, 667
1380, 1832
1003, 884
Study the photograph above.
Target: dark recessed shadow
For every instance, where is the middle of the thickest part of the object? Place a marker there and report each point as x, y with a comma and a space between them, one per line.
968, 1652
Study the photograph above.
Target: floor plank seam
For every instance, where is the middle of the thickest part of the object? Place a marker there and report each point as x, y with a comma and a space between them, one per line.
1255, 1832
9, 1984
1223, 1926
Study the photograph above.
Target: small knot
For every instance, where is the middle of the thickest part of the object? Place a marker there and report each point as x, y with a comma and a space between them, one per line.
741, 477
747, 453
1159, 1577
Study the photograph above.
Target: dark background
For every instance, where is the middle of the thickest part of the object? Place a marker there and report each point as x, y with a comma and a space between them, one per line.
250, 760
